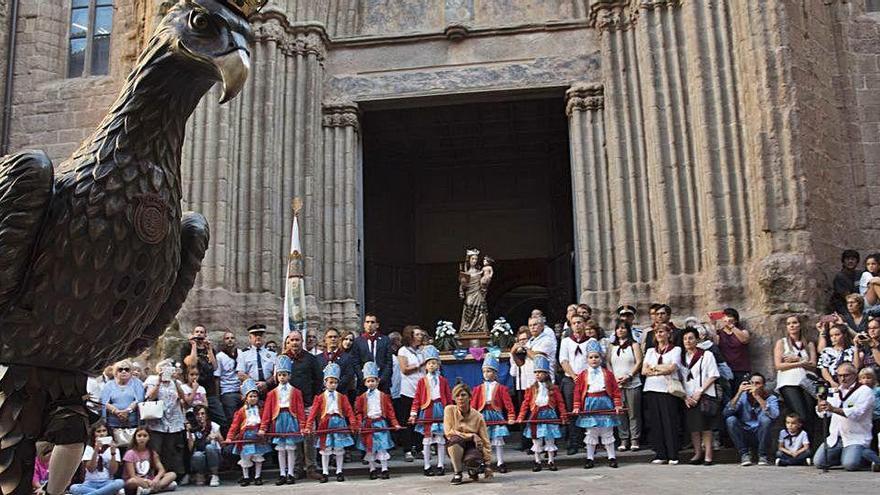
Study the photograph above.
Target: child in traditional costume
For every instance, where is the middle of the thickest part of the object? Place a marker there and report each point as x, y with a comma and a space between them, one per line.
432, 395
596, 389
374, 411
283, 413
333, 412
492, 400
245, 428
546, 410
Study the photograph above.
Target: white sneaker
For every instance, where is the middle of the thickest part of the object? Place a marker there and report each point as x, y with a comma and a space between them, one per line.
171, 486
673, 462
658, 461
778, 462
762, 461
184, 480
408, 457
215, 480
143, 491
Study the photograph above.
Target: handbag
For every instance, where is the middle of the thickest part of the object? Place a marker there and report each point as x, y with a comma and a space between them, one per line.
122, 436
674, 387
151, 409
709, 405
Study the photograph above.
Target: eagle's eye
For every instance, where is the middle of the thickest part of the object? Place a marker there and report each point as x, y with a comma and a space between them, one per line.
199, 21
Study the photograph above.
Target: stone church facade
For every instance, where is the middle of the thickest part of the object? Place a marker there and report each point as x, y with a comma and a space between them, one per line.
721, 152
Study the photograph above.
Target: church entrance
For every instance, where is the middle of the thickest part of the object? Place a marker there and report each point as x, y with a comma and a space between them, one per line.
441, 179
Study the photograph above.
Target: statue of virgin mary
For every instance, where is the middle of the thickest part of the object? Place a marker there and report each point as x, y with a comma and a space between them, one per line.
473, 283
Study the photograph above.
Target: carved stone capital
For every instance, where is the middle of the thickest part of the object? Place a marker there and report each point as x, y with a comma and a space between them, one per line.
659, 4
612, 15
300, 38
341, 114
584, 97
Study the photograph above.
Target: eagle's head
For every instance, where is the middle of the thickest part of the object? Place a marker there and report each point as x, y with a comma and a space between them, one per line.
210, 38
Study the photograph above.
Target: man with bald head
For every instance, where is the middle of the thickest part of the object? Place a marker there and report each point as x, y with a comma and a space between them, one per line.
850, 408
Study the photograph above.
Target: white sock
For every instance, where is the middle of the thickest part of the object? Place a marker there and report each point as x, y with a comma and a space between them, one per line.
536, 448
291, 461
372, 463
384, 463
258, 469
609, 447
426, 455
441, 455
244, 472
282, 463
591, 451
551, 454
499, 453
325, 464
339, 462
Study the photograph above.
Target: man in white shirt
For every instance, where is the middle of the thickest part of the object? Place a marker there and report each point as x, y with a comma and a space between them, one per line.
542, 340
573, 360
850, 408
94, 386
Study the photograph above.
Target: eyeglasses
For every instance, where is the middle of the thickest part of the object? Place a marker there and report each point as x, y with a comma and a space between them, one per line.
124, 370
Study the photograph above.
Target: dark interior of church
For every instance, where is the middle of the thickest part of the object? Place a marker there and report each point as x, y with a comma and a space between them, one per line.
440, 179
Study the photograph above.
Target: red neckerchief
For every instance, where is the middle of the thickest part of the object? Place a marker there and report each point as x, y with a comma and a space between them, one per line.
844, 397
331, 357
698, 353
621, 345
578, 340
799, 345
373, 337
663, 351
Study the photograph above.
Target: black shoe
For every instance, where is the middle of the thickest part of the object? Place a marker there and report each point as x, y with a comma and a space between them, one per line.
708, 463
589, 464
282, 480
340, 477
374, 474
244, 481
457, 479
696, 461
473, 474
258, 481
536, 467
502, 468
291, 479
612, 462
552, 466
384, 475
571, 451
440, 470
324, 478
429, 472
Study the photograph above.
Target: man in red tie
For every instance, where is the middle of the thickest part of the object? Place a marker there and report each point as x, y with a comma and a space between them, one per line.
373, 346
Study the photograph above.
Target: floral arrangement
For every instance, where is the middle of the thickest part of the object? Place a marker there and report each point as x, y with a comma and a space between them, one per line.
444, 336
501, 334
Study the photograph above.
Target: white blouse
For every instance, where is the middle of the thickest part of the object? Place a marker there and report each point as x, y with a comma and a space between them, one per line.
622, 364
703, 370
652, 357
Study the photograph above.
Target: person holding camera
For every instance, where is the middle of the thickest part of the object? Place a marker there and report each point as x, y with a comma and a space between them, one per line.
167, 434
850, 409
200, 356
749, 415
840, 351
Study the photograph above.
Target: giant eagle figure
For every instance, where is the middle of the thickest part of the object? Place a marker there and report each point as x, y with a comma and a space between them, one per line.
96, 256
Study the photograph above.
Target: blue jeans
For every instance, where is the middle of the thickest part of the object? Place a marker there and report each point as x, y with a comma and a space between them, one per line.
744, 437
106, 487
850, 457
787, 460
230, 402
207, 461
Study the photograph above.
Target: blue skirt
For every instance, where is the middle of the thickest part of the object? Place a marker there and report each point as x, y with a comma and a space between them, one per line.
499, 431
436, 428
381, 439
336, 440
286, 423
602, 403
251, 448
544, 430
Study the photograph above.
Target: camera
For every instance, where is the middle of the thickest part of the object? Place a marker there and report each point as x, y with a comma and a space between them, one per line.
822, 389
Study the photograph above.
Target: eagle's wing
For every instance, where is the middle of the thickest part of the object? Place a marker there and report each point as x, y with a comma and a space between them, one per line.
194, 238
26, 186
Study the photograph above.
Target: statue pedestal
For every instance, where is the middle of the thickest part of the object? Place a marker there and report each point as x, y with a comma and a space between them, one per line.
470, 371
472, 339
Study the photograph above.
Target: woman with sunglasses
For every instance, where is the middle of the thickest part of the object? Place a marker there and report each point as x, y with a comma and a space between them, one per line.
120, 398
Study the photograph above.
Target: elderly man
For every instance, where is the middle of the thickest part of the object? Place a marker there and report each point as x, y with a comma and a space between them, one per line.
256, 362
542, 341
749, 415
850, 408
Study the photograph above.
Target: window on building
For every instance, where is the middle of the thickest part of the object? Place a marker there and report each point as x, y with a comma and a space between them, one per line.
89, 49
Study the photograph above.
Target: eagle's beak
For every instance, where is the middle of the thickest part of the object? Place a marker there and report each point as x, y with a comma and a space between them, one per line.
233, 67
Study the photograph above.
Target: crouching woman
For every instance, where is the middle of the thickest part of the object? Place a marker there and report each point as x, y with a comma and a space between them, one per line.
467, 438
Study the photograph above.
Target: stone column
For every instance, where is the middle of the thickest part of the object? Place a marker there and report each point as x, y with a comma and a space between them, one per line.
244, 162
340, 195
594, 242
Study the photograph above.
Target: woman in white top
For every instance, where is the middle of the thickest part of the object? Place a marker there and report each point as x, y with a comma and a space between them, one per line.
793, 357
624, 358
840, 351
412, 369
101, 461
700, 371
660, 367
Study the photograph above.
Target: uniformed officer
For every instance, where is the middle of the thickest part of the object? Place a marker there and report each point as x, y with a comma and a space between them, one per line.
256, 362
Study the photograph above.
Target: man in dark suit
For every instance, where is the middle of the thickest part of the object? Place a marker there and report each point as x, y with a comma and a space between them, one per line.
373, 346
